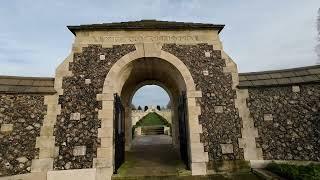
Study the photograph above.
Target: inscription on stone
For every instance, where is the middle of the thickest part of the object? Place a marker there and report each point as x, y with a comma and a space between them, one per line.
140, 39
151, 38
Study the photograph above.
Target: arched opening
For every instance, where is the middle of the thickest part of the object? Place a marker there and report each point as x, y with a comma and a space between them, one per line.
151, 146
151, 67
151, 113
153, 71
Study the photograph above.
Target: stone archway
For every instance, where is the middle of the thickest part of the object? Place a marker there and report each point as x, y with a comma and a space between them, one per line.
128, 99
116, 80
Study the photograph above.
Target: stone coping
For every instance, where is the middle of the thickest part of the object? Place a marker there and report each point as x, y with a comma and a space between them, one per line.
301, 75
26, 85
146, 25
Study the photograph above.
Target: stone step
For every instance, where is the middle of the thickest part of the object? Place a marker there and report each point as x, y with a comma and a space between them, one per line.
152, 130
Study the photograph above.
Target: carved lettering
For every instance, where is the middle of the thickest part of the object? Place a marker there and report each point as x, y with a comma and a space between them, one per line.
140, 39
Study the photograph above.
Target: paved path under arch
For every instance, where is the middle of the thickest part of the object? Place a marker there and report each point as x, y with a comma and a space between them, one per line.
152, 155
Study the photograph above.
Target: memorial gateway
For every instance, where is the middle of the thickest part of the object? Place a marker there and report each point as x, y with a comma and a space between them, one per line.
77, 125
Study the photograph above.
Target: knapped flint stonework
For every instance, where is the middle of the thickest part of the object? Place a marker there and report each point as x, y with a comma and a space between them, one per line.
80, 97
17, 147
218, 128
294, 131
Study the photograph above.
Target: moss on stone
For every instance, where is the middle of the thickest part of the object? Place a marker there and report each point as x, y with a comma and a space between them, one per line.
229, 166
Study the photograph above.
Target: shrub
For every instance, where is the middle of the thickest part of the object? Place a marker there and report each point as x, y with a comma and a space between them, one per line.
295, 172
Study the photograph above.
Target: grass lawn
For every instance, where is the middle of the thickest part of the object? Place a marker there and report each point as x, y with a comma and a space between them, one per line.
152, 119
295, 172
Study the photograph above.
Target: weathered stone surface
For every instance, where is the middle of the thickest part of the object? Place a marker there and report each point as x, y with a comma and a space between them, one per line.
216, 87
87, 81
218, 109
80, 97
6, 128
205, 72
295, 89
17, 148
207, 54
226, 148
294, 133
102, 57
76, 174
268, 117
75, 116
79, 150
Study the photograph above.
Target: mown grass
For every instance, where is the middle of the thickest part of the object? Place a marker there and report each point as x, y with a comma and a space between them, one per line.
295, 172
152, 119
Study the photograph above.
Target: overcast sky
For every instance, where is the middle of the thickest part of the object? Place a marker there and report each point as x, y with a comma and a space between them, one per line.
259, 35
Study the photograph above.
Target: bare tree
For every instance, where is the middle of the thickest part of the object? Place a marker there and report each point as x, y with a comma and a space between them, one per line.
318, 46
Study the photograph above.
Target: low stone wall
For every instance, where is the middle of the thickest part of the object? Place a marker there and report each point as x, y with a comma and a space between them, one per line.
285, 108
21, 117
136, 115
287, 119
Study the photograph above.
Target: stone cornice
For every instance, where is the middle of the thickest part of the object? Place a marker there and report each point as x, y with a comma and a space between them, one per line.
146, 25
26, 85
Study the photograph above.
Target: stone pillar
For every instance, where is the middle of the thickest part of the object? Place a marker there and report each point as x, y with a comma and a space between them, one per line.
248, 131
198, 157
105, 153
46, 141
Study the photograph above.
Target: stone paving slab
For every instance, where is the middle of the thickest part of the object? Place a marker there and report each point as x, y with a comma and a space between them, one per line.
152, 155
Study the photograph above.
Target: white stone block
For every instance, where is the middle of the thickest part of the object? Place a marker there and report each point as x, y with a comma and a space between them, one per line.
27, 176
259, 163
22, 159
102, 57
268, 117
295, 89
75, 174
41, 165
102, 162
105, 97
207, 54
6, 128
226, 148
46, 152
205, 72
104, 173
87, 81
194, 94
105, 133
104, 152
106, 142
218, 109
45, 142
79, 150
75, 116
198, 168
56, 151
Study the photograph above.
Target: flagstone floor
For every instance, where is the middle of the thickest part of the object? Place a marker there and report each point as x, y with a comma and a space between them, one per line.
152, 155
